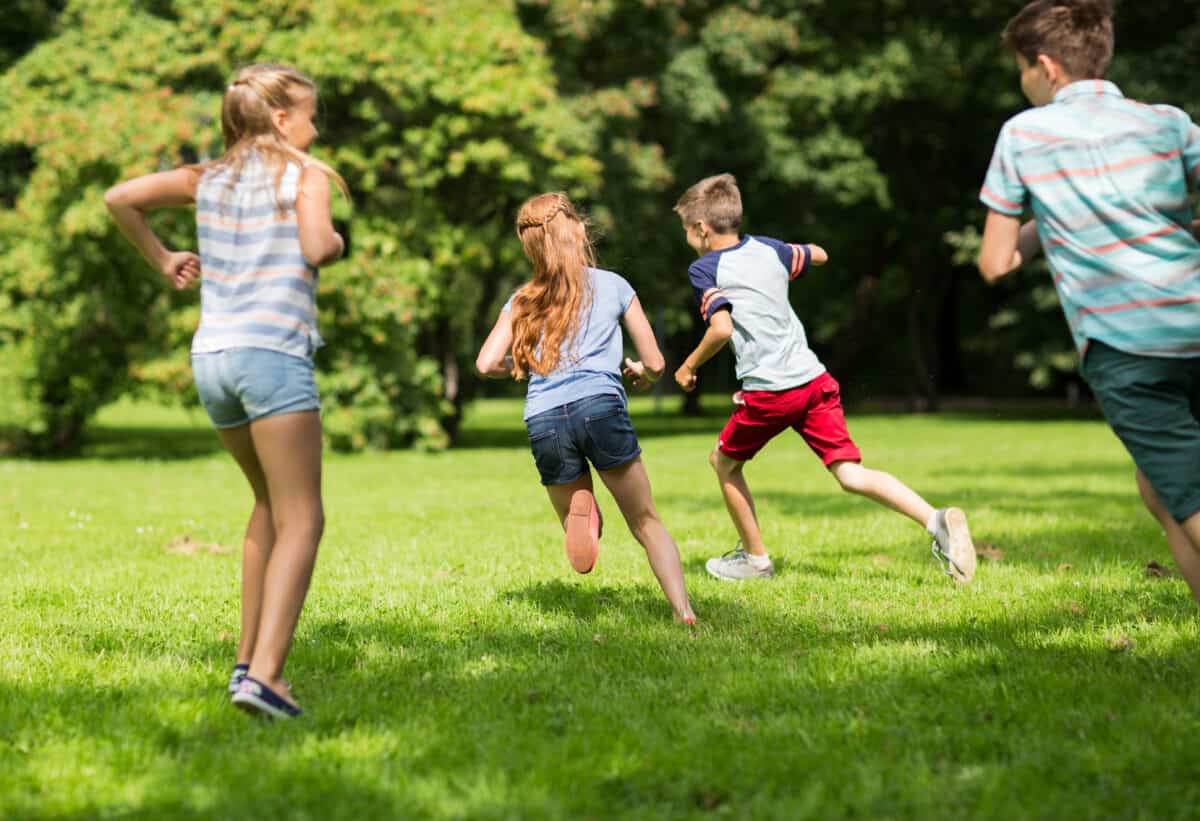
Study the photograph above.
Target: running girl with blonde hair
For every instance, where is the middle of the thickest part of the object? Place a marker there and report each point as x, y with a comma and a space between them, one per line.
264, 226
563, 328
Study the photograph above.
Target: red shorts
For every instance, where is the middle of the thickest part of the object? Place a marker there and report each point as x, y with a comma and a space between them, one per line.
813, 410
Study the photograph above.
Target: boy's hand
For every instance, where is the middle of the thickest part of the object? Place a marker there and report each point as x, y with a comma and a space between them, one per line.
182, 268
635, 372
685, 377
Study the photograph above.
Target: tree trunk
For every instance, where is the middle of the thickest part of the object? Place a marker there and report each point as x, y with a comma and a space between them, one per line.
923, 394
853, 340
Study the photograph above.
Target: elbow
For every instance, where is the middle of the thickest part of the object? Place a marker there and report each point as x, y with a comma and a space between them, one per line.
322, 252
488, 366
114, 198
990, 271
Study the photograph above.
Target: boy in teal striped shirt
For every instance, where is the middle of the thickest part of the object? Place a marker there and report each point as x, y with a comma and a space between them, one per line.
1109, 181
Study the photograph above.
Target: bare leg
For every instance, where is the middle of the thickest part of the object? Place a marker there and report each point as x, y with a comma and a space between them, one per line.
260, 537
738, 501
1184, 540
630, 487
560, 495
883, 488
289, 449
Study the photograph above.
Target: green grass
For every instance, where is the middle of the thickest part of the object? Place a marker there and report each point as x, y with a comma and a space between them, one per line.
453, 667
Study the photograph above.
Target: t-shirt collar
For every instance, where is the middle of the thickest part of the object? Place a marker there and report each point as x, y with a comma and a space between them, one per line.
744, 239
1087, 88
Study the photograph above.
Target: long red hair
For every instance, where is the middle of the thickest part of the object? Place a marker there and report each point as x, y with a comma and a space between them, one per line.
546, 311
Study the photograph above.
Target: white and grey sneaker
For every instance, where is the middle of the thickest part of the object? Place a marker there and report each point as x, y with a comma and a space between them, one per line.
952, 545
735, 565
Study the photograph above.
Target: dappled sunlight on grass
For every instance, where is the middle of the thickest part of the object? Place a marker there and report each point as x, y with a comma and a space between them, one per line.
453, 665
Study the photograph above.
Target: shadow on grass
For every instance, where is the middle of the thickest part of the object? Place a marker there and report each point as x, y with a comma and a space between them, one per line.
628, 719
589, 604
115, 441
149, 443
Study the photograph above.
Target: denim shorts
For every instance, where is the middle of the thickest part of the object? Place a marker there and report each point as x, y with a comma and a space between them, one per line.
596, 429
240, 385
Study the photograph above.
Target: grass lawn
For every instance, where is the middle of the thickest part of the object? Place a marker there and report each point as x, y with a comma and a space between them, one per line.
452, 665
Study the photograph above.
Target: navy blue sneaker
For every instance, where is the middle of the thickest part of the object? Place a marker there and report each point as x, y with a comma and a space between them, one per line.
255, 697
235, 678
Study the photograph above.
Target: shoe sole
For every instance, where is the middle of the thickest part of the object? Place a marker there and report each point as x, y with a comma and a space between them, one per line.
716, 575
256, 706
583, 531
962, 549
235, 688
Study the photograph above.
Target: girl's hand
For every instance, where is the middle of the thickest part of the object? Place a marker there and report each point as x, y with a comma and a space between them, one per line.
637, 374
182, 268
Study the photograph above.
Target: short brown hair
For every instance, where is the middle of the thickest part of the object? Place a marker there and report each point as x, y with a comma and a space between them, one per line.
715, 200
1076, 33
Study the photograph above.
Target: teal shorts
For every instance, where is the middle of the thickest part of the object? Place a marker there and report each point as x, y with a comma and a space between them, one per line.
1152, 403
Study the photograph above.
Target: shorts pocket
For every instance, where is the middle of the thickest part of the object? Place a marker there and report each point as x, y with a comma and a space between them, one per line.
612, 437
261, 378
831, 393
547, 454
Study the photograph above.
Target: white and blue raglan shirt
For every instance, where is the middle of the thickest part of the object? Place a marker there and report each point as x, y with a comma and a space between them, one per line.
750, 280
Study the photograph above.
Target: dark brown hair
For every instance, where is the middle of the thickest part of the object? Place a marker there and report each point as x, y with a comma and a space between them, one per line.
1076, 33
715, 200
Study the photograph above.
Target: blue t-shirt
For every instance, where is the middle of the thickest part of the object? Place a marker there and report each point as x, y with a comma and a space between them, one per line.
750, 280
591, 363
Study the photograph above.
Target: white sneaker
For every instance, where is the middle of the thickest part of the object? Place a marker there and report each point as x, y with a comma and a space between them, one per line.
735, 565
952, 545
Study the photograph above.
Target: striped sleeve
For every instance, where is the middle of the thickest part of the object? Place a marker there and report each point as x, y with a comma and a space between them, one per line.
1191, 151
1003, 190
710, 298
793, 256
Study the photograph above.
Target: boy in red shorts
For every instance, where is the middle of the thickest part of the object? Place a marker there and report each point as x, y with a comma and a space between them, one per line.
741, 283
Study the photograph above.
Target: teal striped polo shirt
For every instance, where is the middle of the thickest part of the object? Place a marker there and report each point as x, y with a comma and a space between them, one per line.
1109, 181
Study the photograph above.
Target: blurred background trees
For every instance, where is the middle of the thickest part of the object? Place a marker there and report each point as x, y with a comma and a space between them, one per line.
862, 125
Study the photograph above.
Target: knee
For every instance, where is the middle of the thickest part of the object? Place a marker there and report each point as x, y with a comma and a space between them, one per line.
724, 466
1153, 502
714, 460
308, 524
642, 524
849, 475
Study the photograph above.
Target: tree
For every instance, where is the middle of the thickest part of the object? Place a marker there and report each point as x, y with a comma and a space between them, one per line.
864, 126
441, 127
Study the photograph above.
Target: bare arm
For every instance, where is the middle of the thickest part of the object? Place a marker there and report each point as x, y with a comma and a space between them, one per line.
128, 203
319, 242
720, 330
1007, 244
493, 360
650, 363
817, 255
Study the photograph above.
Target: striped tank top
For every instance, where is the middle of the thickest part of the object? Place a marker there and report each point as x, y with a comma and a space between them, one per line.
256, 290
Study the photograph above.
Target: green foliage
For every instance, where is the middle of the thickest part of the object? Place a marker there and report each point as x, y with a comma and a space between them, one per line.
441, 127
865, 127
